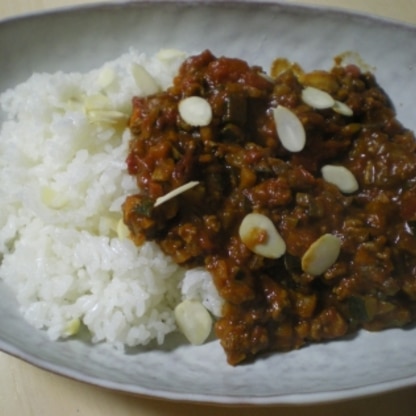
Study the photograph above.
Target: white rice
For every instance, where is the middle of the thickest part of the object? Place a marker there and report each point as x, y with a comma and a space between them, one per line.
62, 183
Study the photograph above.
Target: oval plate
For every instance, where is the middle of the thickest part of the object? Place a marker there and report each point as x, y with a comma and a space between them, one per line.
82, 38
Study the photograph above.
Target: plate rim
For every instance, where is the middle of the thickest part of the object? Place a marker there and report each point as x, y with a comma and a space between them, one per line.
299, 399
284, 4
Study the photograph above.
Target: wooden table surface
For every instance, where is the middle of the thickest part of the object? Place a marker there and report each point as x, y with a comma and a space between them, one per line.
28, 391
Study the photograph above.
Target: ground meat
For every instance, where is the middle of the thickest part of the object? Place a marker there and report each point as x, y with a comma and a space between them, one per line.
242, 167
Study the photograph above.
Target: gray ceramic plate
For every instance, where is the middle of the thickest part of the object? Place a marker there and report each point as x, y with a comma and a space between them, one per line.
82, 38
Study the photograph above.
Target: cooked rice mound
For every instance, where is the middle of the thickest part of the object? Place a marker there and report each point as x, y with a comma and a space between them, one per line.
63, 180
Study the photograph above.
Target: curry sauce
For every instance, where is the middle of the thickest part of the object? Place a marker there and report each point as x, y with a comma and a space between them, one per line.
361, 240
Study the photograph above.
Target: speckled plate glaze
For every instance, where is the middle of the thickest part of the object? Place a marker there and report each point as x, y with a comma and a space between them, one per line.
82, 38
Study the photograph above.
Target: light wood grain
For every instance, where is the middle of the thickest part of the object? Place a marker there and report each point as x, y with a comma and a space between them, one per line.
29, 391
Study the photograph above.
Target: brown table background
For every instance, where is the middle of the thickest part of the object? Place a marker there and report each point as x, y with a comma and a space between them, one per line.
28, 391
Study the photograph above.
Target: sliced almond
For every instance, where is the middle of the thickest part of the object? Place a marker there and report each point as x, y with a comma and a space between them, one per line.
122, 230
342, 108
321, 254
175, 192
196, 111
317, 98
341, 177
259, 234
106, 77
98, 110
53, 199
106, 116
166, 55
289, 129
97, 102
146, 83
72, 327
194, 321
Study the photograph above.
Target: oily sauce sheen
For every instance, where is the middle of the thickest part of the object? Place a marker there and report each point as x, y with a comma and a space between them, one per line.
242, 167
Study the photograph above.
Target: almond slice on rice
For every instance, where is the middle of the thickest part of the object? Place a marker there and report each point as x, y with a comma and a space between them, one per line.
193, 320
146, 83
